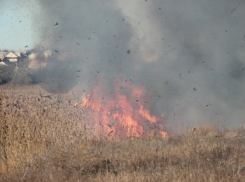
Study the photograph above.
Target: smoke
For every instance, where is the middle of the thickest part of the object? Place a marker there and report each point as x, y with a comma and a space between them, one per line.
2, 4
188, 54
205, 41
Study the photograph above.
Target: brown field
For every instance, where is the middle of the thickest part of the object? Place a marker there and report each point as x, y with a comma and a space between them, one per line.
43, 137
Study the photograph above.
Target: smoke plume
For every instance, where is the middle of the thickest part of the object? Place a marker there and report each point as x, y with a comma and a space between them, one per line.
189, 55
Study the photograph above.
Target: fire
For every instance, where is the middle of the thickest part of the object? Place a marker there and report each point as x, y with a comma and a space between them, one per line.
123, 113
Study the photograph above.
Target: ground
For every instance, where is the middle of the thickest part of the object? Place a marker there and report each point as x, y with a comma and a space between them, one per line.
47, 137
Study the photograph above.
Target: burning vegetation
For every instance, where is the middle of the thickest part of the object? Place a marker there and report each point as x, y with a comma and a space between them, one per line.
43, 137
123, 113
109, 96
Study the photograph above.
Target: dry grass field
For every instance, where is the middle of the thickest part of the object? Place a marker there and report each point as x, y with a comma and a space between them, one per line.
43, 137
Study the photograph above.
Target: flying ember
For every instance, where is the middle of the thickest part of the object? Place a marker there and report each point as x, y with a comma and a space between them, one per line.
122, 113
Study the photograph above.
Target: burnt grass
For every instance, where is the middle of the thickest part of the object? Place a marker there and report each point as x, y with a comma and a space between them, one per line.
44, 137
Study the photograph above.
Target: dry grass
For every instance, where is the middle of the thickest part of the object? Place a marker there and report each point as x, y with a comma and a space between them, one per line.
44, 138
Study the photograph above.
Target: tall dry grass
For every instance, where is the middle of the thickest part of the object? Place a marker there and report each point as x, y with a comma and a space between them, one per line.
43, 137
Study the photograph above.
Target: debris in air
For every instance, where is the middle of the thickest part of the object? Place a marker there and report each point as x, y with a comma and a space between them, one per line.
110, 133
234, 9
75, 105
47, 96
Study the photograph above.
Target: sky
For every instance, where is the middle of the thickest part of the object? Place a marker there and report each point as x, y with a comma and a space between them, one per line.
16, 21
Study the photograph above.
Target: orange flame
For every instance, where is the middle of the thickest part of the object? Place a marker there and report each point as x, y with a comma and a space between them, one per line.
123, 113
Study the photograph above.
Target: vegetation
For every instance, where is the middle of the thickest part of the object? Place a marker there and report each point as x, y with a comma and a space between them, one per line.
45, 137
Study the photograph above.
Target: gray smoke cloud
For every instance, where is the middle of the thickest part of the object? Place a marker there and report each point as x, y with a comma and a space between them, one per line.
189, 55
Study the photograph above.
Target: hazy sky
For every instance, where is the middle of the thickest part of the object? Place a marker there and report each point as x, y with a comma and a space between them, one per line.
16, 21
